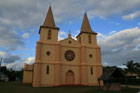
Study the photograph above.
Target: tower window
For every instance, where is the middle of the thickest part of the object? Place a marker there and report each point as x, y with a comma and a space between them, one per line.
90, 55
48, 53
47, 69
79, 39
49, 35
89, 39
91, 71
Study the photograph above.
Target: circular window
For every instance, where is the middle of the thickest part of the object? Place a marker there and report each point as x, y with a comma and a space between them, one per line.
48, 53
90, 55
69, 42
69, 55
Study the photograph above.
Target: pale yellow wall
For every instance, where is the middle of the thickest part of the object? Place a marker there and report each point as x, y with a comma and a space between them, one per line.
91, 61
27, 76
44, 57
47, 78
84, 39
92, 79
44, 35
74, 46
75, 69
53, 61
76, 52
73, 43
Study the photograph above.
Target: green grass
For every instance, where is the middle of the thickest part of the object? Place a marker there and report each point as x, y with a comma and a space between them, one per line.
18, 87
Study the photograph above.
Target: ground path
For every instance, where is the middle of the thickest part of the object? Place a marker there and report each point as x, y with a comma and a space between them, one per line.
131, 86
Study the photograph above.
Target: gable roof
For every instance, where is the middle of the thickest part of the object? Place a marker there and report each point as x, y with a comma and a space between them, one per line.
65, 41
110, 73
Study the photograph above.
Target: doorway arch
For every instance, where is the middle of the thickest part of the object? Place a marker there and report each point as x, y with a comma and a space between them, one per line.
69, 78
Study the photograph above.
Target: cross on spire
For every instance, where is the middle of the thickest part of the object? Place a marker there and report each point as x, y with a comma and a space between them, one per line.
69, 36
69, 32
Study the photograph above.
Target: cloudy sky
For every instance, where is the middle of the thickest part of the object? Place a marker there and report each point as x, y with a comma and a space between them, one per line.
117, 23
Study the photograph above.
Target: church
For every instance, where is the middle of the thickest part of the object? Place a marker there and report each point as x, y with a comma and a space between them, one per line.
67, 61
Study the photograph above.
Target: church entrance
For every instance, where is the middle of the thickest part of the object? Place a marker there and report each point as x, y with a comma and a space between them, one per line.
70, 78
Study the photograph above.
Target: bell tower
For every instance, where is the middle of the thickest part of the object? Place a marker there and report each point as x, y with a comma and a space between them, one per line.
48, 31
46, 66
86, 36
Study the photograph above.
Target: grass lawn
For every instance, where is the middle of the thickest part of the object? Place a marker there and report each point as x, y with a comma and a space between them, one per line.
18, 87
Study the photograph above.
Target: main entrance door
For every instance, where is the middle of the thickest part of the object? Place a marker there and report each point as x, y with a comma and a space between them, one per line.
70, 78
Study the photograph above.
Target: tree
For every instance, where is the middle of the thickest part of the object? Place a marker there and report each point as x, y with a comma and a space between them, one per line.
137, 68
130, 67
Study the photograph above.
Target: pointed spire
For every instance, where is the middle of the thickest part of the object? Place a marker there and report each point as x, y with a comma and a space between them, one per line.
85, 24
49, 21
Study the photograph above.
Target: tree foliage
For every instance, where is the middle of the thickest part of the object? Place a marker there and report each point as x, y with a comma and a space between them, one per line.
132, 68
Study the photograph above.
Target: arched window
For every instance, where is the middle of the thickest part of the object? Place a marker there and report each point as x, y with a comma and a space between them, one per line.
47, 69
91, 71
79, 39
49, 35
89, 39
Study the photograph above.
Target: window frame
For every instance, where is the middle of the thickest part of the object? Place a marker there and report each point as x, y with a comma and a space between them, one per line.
89, 39
49, 34
47, 69
91, 70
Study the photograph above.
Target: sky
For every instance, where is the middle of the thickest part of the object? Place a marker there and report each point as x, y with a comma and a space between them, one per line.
117, 23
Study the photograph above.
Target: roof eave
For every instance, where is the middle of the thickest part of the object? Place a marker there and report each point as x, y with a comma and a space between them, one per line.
48, 28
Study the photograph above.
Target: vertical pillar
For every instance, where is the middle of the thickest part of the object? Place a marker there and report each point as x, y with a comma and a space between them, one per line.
37, 66
98, 53
99, 64
36, 75
57, 68
83, 70
38, 52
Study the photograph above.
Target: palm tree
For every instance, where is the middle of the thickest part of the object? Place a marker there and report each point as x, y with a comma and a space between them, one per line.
130, 67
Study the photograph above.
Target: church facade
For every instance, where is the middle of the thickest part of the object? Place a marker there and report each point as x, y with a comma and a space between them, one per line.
65, 62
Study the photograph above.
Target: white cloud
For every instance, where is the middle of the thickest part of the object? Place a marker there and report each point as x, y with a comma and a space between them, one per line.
26, 35
112, 32
132, 15
15, 66
30, 60
100, 35
139, 24
120, 47
31, 13
2, 54
19, 65
62, 35
75, 34
60, 38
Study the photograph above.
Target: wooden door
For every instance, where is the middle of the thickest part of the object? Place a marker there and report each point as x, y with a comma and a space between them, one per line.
69, 78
